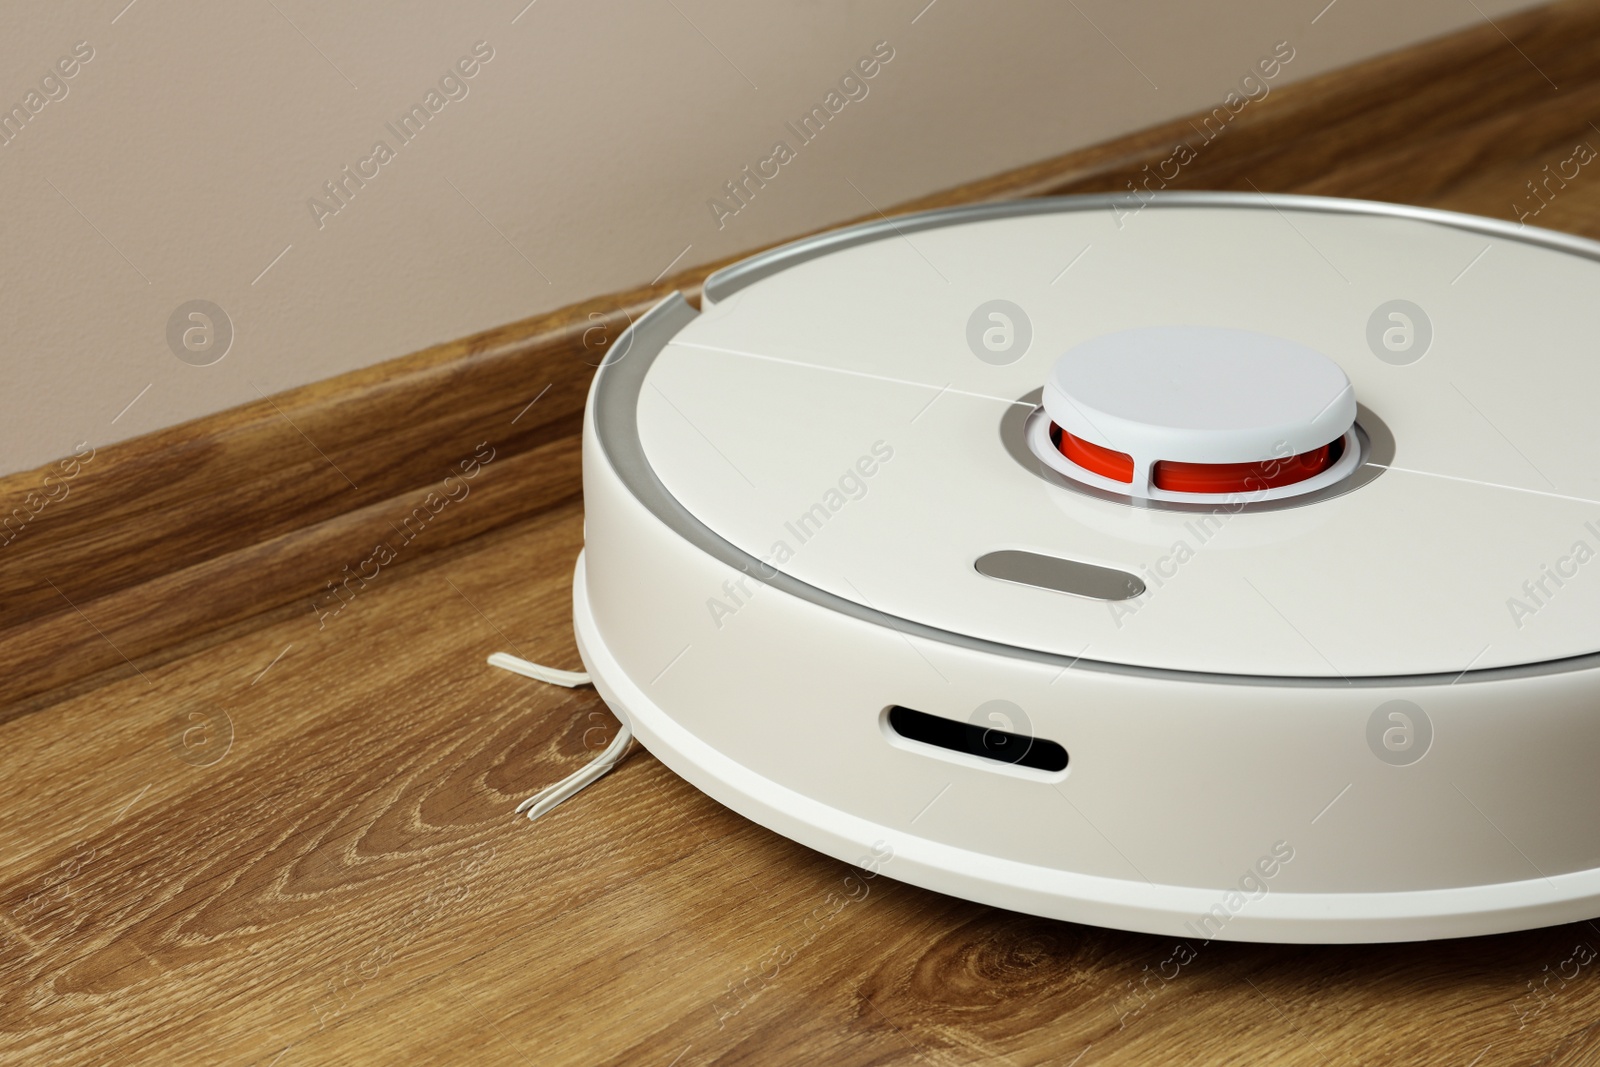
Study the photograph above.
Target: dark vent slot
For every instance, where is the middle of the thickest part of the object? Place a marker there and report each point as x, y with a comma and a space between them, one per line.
974, 740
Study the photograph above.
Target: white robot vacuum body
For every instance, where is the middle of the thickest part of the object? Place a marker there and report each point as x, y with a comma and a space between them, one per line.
1221, 571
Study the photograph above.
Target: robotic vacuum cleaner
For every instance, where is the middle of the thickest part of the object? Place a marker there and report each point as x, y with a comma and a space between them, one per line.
1223, 569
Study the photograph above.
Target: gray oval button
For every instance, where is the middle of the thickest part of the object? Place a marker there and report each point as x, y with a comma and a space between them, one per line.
1061, 575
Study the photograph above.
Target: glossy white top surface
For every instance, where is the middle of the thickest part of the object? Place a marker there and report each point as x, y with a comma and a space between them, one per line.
834, 419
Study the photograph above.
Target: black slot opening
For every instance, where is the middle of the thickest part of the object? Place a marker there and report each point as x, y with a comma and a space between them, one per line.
974, 740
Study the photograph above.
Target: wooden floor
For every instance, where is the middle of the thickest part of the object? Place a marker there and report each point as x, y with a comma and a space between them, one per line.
292, 842
347, 884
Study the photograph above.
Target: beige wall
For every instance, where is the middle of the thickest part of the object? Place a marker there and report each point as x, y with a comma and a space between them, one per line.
179, 162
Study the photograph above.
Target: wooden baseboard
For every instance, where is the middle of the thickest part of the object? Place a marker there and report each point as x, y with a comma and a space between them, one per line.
157, 542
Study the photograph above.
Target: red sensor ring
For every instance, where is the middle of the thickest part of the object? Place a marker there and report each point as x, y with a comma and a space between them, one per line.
1175, 477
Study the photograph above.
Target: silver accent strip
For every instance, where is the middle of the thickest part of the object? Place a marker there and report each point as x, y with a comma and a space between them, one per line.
730, 279
615, 405
1059, 574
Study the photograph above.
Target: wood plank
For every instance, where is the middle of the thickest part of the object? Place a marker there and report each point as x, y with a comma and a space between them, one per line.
348, 885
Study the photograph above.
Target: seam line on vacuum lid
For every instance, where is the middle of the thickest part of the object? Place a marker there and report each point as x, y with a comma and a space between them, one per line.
615, 411
803, 365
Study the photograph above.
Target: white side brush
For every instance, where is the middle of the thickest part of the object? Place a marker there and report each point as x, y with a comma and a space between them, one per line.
551, 796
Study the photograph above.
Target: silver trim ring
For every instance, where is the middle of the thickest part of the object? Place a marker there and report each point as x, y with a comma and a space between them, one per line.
730, 279
615, 402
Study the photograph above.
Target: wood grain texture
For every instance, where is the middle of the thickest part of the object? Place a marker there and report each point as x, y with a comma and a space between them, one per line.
347, 885
249, 824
